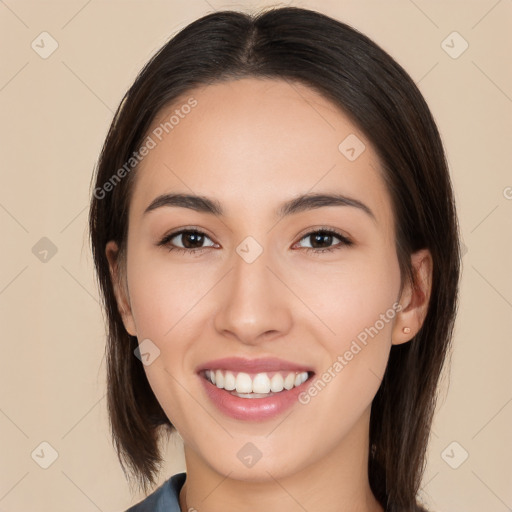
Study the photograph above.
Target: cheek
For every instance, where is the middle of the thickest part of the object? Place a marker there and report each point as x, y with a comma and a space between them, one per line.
357, 304
166, 302
360, 307
169, 303
166, 296
353, 295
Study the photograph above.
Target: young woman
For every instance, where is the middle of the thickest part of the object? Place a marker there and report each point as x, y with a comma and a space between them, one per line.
276, 242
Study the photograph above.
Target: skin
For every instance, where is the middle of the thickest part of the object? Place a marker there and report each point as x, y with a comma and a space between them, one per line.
252, 144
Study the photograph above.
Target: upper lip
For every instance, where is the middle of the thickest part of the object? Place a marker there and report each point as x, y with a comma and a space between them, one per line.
240, 364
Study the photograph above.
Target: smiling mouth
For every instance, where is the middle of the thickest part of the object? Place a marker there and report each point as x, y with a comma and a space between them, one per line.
256, 385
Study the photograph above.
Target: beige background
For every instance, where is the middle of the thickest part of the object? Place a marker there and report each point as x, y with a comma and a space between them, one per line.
54, 116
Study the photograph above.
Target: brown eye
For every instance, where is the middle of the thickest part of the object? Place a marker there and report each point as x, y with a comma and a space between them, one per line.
322, 240
191, 240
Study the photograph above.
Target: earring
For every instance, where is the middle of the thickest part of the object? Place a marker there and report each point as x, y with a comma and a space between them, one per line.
407, 330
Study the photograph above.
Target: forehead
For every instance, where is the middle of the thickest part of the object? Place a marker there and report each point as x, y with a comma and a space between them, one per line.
252, 143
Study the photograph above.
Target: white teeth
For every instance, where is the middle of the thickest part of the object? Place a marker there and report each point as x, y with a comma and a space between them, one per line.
289, 382
277, 383
243, 383
219, 379
260, 386
251, 395
261, 383
229, 381
299, 379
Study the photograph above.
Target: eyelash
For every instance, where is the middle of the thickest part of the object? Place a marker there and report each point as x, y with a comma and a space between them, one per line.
345, 242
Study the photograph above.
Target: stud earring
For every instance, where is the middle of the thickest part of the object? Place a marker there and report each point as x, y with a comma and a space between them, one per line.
407, 330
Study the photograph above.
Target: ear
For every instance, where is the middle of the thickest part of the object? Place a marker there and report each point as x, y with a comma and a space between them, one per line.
118, 276
414, 298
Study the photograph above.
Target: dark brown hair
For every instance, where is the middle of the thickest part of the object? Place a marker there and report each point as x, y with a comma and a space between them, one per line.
303, 46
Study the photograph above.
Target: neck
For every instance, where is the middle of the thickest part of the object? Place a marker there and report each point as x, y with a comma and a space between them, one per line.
333, 482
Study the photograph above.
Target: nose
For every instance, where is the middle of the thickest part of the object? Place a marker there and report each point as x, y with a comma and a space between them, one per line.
253, 304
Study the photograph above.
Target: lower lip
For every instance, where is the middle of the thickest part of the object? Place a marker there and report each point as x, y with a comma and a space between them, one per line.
253, 409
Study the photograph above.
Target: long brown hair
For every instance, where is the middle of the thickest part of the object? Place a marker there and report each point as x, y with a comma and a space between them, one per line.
349, 69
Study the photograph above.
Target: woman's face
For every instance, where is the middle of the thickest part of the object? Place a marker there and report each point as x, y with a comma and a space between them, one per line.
260, 286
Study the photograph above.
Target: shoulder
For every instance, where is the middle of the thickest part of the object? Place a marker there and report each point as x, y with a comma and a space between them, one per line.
163, 499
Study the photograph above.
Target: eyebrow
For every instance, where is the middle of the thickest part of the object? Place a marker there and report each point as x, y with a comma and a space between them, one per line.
298, 204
